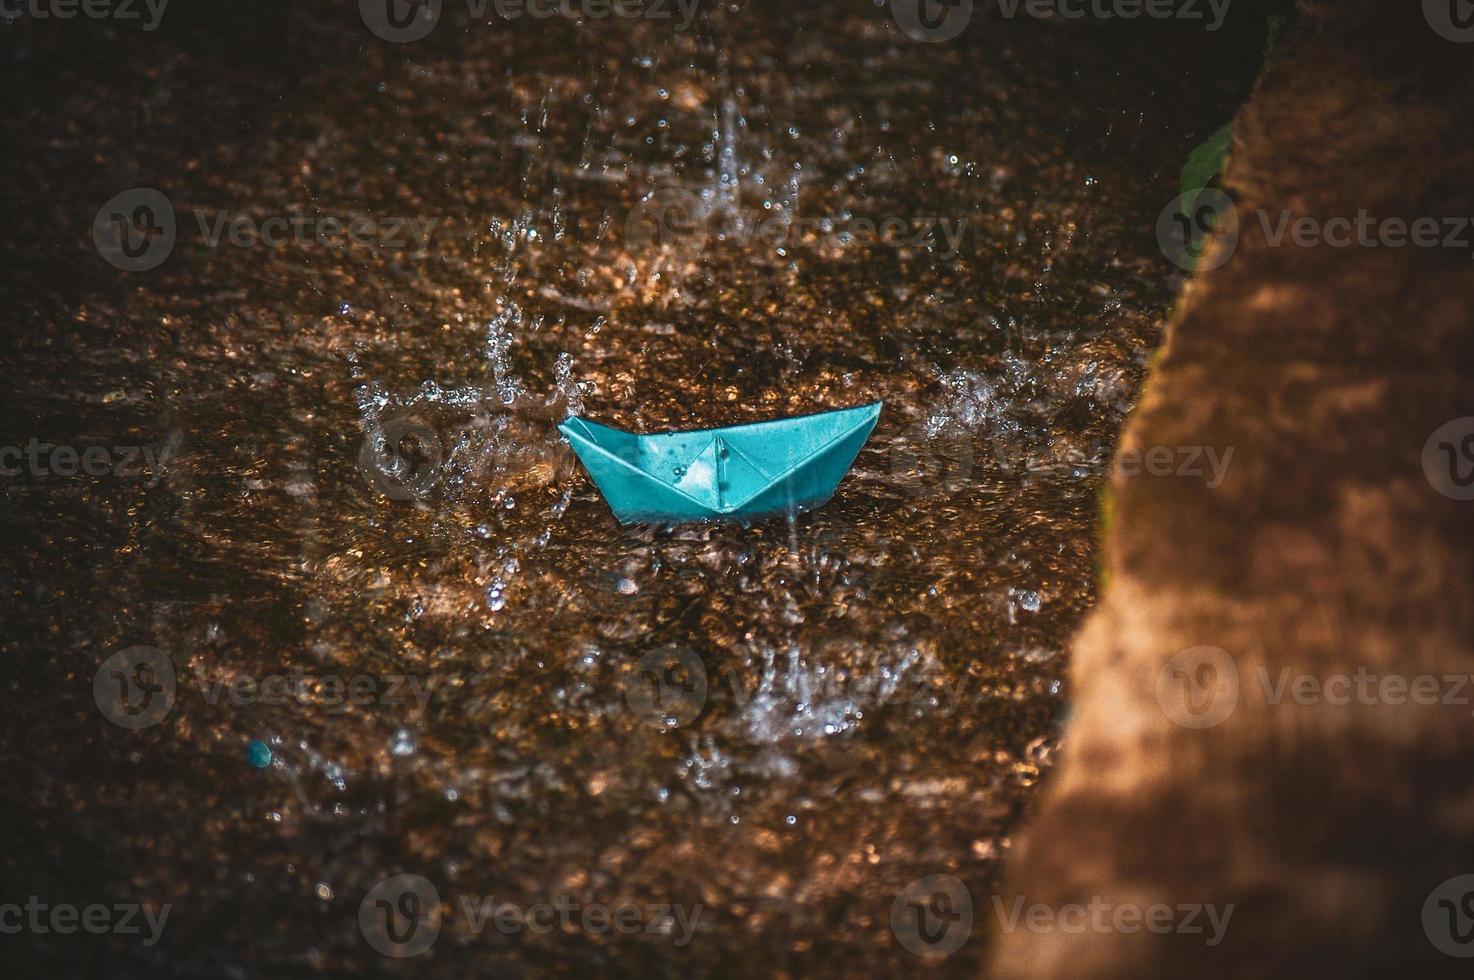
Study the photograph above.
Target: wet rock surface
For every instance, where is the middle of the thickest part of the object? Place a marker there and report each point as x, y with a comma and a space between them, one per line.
1272, 708
351, 473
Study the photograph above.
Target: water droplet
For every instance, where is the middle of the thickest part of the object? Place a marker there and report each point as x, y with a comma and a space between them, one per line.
258, 754
403, 743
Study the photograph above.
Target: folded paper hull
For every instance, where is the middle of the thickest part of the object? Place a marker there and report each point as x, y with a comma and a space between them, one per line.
740, 472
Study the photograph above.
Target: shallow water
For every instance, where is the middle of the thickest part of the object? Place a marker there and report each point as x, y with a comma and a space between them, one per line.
657, 229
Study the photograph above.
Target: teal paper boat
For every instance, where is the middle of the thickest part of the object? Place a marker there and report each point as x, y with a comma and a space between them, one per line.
737, 473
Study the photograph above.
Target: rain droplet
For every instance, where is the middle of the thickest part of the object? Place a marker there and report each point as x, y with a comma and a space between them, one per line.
258, 754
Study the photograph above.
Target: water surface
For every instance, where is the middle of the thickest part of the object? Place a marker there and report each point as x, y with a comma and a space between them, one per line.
657, 229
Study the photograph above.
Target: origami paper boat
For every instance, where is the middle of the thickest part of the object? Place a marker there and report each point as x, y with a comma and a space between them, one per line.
735, 473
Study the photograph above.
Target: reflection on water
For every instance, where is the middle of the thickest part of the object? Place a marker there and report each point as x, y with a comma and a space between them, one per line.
409, 637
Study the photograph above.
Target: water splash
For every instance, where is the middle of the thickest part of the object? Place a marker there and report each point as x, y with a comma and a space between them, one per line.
969, 401
498, 354
729, 178
567, 389
372, 399
799, 699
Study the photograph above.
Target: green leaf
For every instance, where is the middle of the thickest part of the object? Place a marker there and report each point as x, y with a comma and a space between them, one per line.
1272, 35
1206, 160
